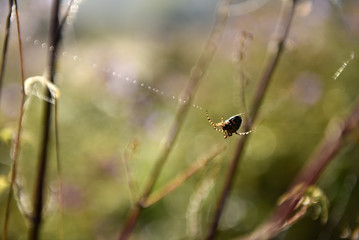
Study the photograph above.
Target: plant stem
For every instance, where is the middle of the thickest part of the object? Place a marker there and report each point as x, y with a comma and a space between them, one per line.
196, 75
275, 49
58, 167
55, 37
22, 101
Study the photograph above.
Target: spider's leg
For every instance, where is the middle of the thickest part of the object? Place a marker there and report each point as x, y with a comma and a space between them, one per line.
225, 134
245, 133
217, 129
210, 121
214, 124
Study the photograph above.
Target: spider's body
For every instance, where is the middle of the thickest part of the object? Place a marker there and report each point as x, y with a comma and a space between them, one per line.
228, 127
231, 125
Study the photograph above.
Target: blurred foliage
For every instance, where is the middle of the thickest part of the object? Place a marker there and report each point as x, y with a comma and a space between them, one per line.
100, 114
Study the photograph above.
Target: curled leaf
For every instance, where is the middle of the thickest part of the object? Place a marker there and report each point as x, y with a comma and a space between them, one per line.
319, 201
313, 201
34, 86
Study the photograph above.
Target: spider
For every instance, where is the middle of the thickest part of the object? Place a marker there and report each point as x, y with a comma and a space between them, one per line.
230, 126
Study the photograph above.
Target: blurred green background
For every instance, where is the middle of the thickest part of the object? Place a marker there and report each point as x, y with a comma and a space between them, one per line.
155, 43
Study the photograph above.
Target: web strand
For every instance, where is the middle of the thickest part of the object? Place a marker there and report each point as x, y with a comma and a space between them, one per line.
344, 65
117, 74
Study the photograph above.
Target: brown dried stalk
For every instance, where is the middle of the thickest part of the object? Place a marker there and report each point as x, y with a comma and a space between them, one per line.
329, 146
18, 134
240, 45
275, 49
196, 75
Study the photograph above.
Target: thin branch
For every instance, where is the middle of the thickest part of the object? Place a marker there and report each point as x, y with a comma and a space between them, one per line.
182, 177
326, 150
58, 167
239, 57
55, 37
127, 156
5, 45
197, 73
18, 134
275, 49
64, 18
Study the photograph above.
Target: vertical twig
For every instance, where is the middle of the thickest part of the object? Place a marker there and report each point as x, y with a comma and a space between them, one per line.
275, 49
196, 75
5, 45
57, 143
238, 58
17, 139
58, 167
329, 146
55, 36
